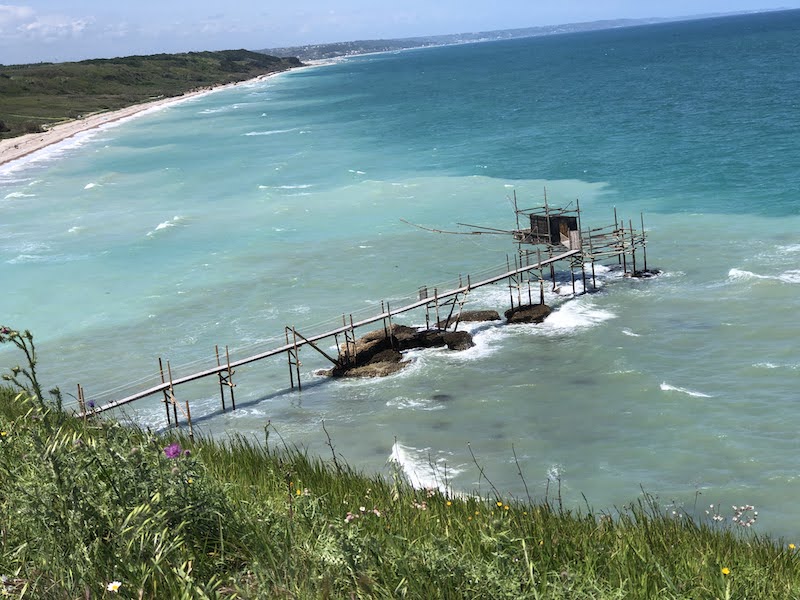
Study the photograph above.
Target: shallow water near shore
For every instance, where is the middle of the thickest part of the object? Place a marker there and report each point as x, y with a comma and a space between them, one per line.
225, 218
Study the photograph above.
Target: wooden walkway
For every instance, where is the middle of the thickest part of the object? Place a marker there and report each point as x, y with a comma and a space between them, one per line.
166, 387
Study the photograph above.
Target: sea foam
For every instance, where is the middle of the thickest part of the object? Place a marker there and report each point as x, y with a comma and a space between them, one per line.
671, 388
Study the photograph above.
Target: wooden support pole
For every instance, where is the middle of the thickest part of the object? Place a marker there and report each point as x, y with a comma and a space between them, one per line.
166, 397
385, 329
297, 358
436, 304
81, 403
289, 357
230, 378
644, 242
633, 247
510, 280
171, 389
621, 233
391, 327
221, 379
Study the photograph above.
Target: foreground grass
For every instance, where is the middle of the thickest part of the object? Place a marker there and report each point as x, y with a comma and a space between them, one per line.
36, 96
92, 509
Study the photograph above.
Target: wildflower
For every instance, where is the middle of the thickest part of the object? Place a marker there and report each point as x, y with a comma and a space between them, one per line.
172, 451
3, 433
187, 452
298, 491
505, 507
449, 503
362, 508
114, 586
791, 546
376, 512
725, 571
91, 404
190, 481
350, 517
499, 503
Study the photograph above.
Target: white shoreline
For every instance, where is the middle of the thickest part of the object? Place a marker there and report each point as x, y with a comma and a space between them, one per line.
23, 146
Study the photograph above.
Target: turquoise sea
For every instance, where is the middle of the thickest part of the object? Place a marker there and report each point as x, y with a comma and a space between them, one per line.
224, 218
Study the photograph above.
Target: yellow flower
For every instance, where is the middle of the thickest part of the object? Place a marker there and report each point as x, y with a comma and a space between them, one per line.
505, 507
190, 481
791, 546
3, 433
449, 503
726, 571
469, 518
477, 512
499, 503
114, 586
299, 491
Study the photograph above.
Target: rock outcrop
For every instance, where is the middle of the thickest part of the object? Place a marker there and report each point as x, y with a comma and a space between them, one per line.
377, 354
469, 316
528, 313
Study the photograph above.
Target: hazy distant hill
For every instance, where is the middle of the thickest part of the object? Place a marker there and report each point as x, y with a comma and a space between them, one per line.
332, 50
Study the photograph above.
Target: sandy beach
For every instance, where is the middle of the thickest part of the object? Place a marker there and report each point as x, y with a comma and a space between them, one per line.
18, 147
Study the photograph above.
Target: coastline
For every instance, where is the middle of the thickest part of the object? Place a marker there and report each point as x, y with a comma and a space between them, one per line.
15, 148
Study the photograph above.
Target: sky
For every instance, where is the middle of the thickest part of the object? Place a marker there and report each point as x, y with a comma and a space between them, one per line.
66, 30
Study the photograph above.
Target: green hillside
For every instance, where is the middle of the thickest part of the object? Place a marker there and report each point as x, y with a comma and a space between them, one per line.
35, 96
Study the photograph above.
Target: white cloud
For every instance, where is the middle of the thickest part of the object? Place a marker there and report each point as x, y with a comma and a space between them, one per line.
22, 22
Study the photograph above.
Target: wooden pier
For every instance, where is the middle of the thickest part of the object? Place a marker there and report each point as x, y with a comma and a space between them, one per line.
555, 236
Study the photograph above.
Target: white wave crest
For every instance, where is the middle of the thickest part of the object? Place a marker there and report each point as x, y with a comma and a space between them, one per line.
417, 466
790, 276
89, 186
18, 195
302, 186
165, 225
630, 333
671, 388
270, 132
575, 315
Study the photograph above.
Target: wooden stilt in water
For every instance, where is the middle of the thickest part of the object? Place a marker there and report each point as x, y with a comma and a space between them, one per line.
172, 400
633, 247
436, 304
510, 280
230, 378
166, 395
621, 233
289, 357
221, 380
389, 313
644, 242
82, 401
294, 357
225, 379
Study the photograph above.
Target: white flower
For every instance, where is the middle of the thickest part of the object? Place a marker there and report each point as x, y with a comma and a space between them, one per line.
114, 586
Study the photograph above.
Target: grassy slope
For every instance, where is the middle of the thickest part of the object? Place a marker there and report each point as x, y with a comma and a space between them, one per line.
32, 96
85, 504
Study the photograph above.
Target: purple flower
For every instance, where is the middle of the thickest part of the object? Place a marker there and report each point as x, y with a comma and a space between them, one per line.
187, 452
172, 451
90, 404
